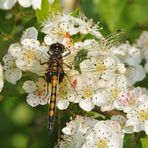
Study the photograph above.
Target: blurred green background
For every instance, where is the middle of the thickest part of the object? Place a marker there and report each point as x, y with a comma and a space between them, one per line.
22, 126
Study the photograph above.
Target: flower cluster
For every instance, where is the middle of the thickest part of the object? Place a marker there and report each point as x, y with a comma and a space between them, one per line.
8, 4
84, 132
62, 27
97, 74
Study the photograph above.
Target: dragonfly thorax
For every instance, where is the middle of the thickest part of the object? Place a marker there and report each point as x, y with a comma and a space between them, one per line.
56, 48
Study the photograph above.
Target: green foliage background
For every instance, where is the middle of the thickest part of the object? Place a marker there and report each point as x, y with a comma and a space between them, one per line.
22, 126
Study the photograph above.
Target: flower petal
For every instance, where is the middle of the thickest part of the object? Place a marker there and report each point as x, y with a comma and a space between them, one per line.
25, 3
30, 33
86, 105
36, 4
29, 86
7, 4
62, 104
32, 100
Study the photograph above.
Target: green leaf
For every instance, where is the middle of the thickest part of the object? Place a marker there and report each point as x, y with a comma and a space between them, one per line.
110, 11
144, 142
47, 9
81, 55
7, 22
75, 13
138, 11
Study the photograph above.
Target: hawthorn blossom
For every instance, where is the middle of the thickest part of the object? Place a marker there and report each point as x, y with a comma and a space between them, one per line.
131, 57
88, 26
8, 4
138, 118
105, 67
29, 55
85, 87
122, 121
81, 124
1, 78
61, 27
11, 73
85, 132
65, 92
106, 96
37, 92
30, 33
75, 132
142, 43
105, 134
129, 99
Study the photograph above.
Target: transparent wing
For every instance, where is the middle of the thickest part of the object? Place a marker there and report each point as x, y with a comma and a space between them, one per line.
107, 42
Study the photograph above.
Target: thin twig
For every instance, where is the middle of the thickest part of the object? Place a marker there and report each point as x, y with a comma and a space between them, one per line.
112, 112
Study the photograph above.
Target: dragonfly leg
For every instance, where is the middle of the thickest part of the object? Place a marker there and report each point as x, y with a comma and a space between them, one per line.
66, 53
69, 66
43, 63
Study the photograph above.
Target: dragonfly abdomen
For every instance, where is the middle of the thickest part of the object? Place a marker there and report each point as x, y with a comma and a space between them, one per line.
52, 105
54, 76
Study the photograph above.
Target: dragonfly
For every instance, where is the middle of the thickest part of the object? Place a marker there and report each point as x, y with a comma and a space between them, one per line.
54, 76
56, 66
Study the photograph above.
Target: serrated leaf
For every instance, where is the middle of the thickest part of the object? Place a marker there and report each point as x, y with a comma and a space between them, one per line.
144, 142
47, 9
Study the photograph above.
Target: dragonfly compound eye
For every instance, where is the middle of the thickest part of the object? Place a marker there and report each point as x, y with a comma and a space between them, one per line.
57, 48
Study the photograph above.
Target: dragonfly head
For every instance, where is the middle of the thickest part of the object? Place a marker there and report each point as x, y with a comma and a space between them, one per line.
57, 48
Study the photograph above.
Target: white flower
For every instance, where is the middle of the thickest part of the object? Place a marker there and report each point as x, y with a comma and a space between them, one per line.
85, 87
113, 90
81, 124
105, 67
129, 99
37, 92
105, 134
1, 78
138, 118
135, 74
131, 57
59, 28
75, 131
142, 43
85, 132
122, 121
8, 4
134, 56
88, 26
128, 54
65, 94
72, 141
29, 54
30, 33
11, 72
